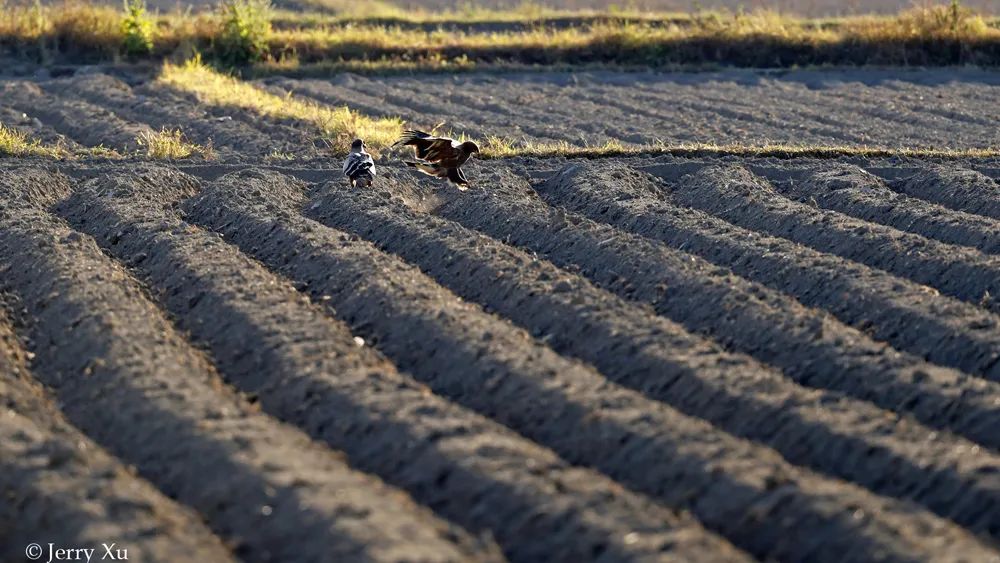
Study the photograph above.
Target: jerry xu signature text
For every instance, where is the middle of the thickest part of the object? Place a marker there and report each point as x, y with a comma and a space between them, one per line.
50, 553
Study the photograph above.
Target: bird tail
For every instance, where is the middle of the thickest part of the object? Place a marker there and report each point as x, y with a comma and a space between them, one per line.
363, 180
409, 136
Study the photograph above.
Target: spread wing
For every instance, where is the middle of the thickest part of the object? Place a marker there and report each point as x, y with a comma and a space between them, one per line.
357, 163
432, 149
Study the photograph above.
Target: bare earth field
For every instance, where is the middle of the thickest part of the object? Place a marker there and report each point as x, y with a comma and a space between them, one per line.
924, 108
617, 359
929, 109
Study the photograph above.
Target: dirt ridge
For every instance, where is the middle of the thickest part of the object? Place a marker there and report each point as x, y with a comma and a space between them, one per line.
370, 295
314, 374
908, 316
128, 380
962, 190
813, 349
853, 191
735, 194
59, 486
84, 123
633, 347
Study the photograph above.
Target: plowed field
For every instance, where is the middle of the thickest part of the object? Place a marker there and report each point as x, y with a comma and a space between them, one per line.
934, 109
617, 359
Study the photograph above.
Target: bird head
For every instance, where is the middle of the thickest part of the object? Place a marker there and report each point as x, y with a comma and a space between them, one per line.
469, 147
357, 145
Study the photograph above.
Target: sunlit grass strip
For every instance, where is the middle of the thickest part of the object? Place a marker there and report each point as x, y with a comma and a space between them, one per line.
16, 143
170, 144
763, 39
496, 148
364, 31
339, 125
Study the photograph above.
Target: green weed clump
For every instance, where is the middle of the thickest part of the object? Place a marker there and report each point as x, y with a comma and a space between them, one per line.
137, 29
246, 28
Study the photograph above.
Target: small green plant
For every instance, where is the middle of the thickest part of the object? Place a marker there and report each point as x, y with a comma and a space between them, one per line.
246, 26
137, 29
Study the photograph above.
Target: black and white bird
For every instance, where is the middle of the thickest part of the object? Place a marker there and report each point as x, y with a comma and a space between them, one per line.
359, 166
440, 157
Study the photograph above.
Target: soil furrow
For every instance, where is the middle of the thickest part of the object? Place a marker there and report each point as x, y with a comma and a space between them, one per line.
845, 438
85, 123
485, 116
60, 487
307, 369
288, 133
909, 316
760, 126
536, 122
810, 347
33, 127
161, 108
906, 111
798, 105
849, 189
338, 91
962, 190
731, 109
125, 377
747, 493
737, 195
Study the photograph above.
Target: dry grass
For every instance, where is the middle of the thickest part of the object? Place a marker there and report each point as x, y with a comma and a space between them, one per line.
329, 12
380, 35
44, 30
339, 125
170, 144
504, 149
16, 143
924, 36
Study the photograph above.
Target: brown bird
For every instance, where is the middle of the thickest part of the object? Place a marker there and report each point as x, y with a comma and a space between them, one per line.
440, 157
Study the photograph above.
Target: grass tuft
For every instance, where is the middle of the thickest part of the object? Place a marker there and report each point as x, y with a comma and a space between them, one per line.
338, 125
170, 144
16, 143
